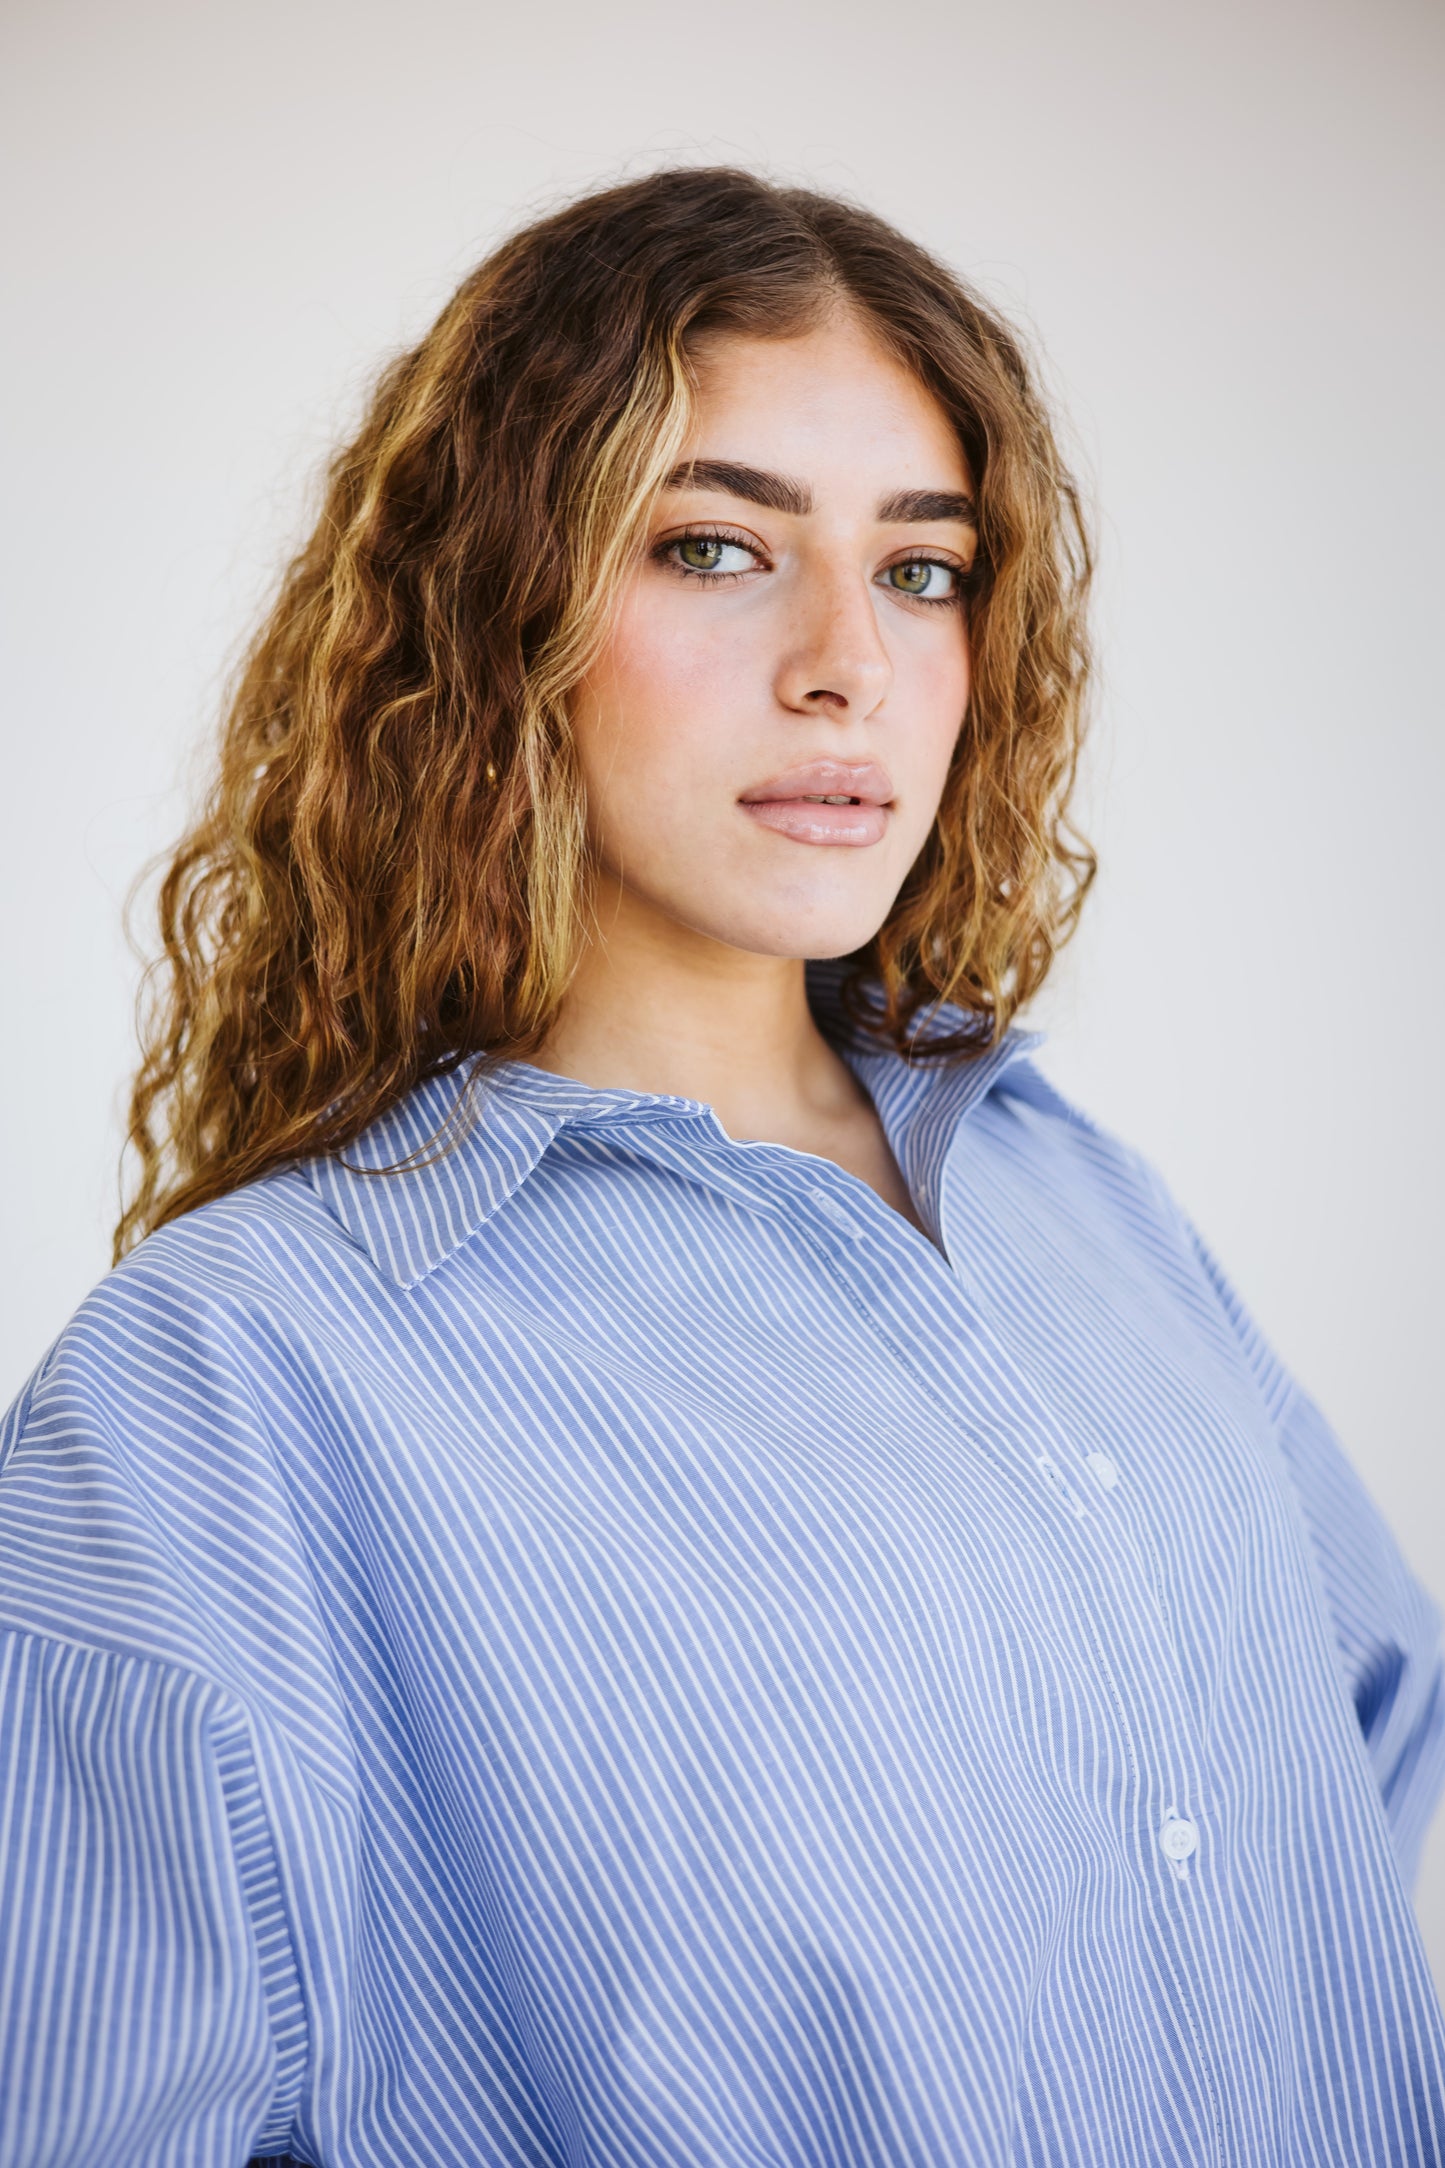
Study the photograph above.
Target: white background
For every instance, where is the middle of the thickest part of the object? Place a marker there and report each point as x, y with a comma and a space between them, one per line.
1222, 221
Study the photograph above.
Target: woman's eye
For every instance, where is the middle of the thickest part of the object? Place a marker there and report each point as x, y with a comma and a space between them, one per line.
924, 578
711, 553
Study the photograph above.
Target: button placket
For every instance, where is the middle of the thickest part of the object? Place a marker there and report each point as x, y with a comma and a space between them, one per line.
1140, 1669
1060, 1473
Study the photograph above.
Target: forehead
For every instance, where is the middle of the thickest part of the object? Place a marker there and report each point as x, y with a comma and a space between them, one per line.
829, 402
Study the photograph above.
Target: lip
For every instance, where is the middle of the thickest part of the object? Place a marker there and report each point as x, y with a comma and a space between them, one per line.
786, 803
862, 779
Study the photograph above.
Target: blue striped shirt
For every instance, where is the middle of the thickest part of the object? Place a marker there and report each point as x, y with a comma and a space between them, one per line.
609, 1648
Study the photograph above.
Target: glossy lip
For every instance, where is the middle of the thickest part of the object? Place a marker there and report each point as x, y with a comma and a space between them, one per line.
785, 804
862, 779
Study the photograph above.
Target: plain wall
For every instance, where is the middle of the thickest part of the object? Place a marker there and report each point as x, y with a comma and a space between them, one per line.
1223, 221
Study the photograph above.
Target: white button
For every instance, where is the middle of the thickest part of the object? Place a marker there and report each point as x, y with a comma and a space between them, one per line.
1178, 1839
1102, 1469
838, 1213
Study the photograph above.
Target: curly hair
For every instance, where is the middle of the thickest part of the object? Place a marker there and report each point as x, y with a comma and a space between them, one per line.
391, 870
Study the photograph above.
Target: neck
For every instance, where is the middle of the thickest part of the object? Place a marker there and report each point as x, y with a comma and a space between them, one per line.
656, 1007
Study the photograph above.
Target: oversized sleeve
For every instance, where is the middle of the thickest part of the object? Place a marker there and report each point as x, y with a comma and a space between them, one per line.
134, 2020
1387, 1631
1386, 1628
167, 1817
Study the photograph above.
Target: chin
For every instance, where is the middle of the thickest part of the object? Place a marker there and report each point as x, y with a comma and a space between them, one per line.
811, 936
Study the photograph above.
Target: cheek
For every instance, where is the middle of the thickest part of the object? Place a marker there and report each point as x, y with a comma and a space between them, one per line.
933, 687
649, 712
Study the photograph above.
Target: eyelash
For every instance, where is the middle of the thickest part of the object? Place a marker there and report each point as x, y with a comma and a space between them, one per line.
965, 576
664, 550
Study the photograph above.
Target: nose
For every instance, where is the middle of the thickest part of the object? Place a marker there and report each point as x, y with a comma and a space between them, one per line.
835, 657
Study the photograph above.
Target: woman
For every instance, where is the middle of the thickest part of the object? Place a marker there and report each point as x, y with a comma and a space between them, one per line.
660, 1556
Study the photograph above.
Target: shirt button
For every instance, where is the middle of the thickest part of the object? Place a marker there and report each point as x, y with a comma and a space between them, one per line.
1178, 1839
1102, 1469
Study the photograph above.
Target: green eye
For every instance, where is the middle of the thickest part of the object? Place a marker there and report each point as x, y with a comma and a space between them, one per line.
709, 556
925, 577
701, 552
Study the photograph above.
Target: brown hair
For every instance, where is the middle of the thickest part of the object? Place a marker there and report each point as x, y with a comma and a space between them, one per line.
390, 872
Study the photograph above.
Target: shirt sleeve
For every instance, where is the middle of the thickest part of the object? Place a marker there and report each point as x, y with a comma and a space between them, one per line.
162, 1808
1387, 1632
134, 2018
1386, 1629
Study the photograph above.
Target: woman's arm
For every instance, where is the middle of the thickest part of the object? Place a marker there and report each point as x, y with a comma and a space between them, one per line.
159, 1821
1386, 1629
145, 1977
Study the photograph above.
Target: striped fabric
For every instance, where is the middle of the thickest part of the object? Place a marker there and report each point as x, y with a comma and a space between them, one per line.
612, 1650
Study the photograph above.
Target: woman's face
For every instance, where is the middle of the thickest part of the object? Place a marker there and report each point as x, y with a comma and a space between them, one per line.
765, 737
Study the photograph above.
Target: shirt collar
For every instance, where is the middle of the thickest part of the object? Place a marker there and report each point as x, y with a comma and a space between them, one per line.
434, 1168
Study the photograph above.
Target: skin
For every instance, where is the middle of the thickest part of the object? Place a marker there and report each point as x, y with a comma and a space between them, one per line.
815, 643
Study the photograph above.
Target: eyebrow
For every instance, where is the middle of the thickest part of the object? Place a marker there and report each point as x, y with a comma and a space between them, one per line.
780, 493
776, 491
921, 504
